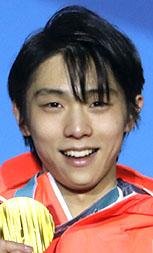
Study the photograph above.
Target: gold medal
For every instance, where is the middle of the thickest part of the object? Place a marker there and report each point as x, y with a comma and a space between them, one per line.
27, 221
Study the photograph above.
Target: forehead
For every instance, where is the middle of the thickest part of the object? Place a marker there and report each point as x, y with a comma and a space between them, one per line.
53, 73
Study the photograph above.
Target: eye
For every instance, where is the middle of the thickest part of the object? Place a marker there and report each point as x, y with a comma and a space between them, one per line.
98, 104
53, 105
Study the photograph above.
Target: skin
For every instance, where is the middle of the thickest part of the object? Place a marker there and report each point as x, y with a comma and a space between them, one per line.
58, 123
7, 246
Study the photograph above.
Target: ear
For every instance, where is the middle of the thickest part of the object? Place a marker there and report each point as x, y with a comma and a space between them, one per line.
21, 123
131, 122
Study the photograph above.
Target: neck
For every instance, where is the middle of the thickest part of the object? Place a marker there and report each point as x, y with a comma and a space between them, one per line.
78, 201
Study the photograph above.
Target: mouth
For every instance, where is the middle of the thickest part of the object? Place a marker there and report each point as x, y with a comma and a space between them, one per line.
77, 154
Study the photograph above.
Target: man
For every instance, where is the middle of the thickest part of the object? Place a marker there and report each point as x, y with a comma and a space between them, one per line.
76, 92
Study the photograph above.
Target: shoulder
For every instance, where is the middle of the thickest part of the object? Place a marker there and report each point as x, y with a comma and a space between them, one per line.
17, 170
134, 177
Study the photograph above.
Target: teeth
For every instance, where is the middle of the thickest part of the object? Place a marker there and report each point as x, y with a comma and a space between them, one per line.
79, 154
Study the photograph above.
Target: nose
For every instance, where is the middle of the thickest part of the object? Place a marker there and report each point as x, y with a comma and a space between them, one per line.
77, 124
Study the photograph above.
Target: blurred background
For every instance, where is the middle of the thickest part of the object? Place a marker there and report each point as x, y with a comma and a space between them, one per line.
18, 18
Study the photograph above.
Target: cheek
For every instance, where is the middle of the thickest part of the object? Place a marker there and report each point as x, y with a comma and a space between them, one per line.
43, 126
111, 127
43, 132
111, 141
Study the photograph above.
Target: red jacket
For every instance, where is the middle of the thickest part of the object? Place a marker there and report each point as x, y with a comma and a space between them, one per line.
125, 227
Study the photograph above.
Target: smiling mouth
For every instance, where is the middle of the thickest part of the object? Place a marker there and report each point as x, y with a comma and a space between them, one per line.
79, 153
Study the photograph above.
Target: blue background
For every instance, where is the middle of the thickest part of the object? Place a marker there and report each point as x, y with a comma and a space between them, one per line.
18, 18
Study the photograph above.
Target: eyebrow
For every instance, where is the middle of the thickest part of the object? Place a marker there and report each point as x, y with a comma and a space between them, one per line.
60, 92
47, 91
95, 91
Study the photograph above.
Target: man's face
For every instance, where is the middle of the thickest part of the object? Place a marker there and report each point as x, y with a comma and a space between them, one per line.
77, 143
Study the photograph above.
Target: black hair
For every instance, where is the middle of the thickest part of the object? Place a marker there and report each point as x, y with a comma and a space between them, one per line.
80, 36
